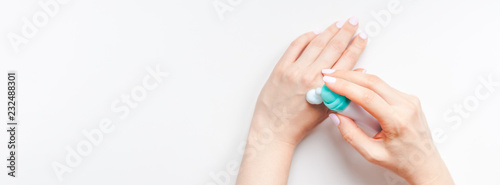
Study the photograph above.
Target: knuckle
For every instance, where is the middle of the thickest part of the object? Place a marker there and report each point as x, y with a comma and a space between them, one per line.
350, 55
297, 42
359, 44
318, 43
278, 72
332, 29
415, 100
347, 137
336, 45
279, 69
403, 128
307, 78
350, 29
367, 97
300, 41
291, 74
373, 80
400, 126
412, 108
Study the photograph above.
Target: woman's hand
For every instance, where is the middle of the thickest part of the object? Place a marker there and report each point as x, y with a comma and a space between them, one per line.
281, 106
282, 116
404, 145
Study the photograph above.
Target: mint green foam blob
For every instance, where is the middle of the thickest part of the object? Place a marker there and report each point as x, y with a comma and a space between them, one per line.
333, 100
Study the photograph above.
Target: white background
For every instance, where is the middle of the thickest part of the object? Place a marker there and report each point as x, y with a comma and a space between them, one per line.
92, 52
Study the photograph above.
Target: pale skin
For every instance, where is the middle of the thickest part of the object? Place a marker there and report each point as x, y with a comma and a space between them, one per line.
282, 116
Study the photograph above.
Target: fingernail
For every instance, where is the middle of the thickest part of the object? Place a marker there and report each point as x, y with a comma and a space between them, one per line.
353, 20
364, 71
327, 71
363, 35
334, 118
329, 79
317, 32
340, 24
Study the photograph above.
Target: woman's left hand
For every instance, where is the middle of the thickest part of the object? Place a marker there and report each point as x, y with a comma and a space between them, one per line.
281, 106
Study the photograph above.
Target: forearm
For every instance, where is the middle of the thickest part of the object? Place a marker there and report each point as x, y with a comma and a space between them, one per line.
266, 161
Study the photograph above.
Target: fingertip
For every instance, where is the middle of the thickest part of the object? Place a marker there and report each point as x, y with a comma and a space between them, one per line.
344, 118
345, 122
335, 119
363, 36
353, 21
327, 71
339, 24
329, 79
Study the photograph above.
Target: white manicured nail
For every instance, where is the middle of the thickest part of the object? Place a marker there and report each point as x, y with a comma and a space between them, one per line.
363, 35
334, 118
340, 24
329, 79
353, 21
327, 71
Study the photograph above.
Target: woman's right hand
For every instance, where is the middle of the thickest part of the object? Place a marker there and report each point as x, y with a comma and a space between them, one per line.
404, 145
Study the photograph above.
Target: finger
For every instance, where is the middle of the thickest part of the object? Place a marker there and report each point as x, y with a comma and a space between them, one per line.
352, 53
296, 47
336, 46
371, 82
364, 97
360, 70
317, 45
358, 139
402, 94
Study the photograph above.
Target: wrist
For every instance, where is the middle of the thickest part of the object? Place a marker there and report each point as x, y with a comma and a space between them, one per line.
267, 128
262, 134
433, 172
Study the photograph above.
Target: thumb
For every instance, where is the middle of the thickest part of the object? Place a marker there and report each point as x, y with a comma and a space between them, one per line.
354, 135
